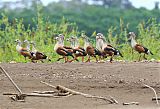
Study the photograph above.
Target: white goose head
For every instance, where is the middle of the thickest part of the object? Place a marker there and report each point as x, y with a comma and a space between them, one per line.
71, 41
61, 38
59, 41
85, 38
26, 41
131, 35
99, 36
33, 43
76, 41
18, 42
28, 44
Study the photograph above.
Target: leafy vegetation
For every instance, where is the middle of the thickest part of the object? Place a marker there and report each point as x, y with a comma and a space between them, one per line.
42, 24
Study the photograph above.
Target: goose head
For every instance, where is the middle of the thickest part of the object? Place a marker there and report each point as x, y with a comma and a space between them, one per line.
70, 39
131, 35
61, 36
18, 41
33, 43
84, 37
100, 36
26, 41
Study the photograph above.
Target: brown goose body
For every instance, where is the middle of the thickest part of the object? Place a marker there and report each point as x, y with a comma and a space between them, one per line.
38, 56
141, 49
90, 50
25, 53
63, 51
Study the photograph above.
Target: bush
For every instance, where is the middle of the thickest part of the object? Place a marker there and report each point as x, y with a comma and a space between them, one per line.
45, 31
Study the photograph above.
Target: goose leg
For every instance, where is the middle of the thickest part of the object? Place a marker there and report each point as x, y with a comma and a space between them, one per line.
111, 59
96, 58
71, 60
66, 59
42, 61
34, 61
139, 58
75, 58
132, 54
144, 56
82, 58
99, 58
25, 59
60, 58
88, 60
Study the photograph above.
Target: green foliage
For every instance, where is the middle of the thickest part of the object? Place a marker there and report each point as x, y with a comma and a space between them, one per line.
88, 18
43, 35
41, 24
148, 36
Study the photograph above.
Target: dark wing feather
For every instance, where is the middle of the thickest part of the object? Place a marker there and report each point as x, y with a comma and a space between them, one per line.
110, 50
110, 45
97, 52
40, 55
66, 47
64, 52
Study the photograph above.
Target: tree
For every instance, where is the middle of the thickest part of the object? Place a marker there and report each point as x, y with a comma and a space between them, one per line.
156, 5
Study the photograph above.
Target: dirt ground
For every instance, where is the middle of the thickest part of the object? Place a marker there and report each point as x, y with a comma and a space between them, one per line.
123, 81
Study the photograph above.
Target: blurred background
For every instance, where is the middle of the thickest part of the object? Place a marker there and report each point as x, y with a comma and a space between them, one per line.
88, 15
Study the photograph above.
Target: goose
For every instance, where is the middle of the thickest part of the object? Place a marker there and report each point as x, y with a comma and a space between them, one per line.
137, 47
108, 49
77, 50
37, 55
22, 51
90, 50
62, 50
99, 44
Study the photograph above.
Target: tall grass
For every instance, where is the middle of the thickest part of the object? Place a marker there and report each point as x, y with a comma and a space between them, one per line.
45, 31
43, 34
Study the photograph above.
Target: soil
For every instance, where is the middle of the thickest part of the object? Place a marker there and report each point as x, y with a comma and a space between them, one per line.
122, 80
